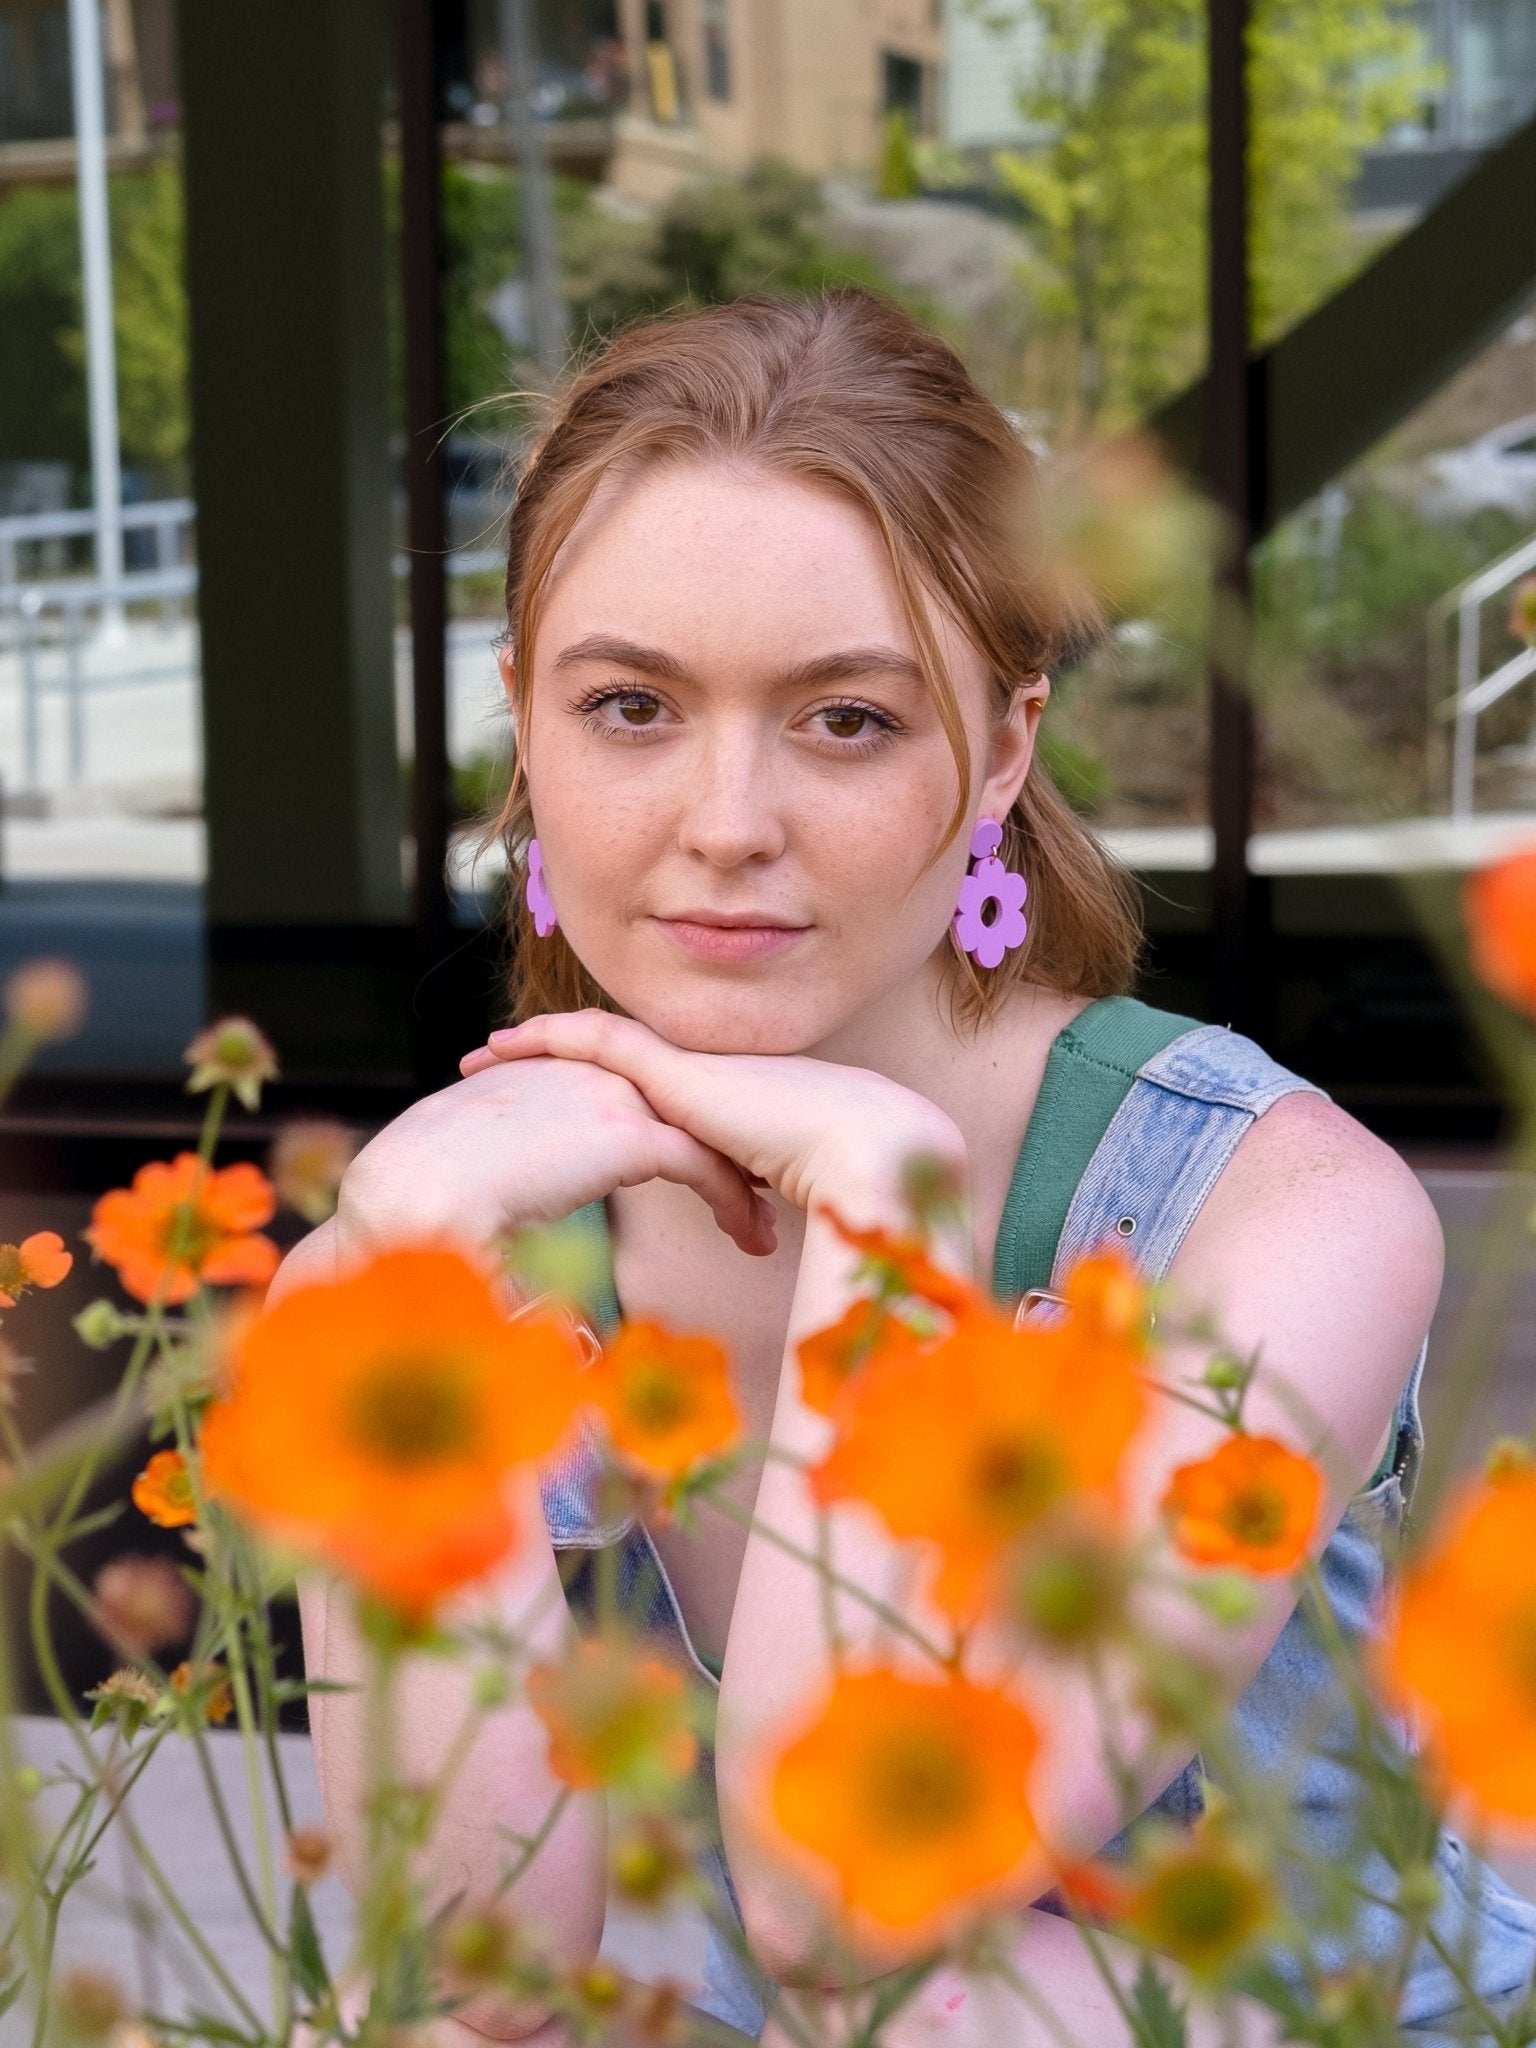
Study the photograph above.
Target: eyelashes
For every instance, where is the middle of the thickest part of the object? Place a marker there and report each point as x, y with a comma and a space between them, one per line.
589, 706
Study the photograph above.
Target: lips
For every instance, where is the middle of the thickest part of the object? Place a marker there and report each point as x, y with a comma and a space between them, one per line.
733, 937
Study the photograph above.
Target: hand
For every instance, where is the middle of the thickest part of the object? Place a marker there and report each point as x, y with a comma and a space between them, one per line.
804, 1127
528, 1142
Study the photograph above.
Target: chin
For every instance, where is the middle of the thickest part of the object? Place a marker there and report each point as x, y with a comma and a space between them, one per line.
745, 1020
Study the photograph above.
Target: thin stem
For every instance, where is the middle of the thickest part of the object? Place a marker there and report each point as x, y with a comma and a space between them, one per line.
64, 1707
532, 1844
231, 1846
881, 1609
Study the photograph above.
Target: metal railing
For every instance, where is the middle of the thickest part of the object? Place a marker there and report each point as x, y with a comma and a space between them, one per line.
1476, 692
48, 610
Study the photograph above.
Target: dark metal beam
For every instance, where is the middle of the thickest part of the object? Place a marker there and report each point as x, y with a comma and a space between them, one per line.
1229, 464
1327, 391
421, 256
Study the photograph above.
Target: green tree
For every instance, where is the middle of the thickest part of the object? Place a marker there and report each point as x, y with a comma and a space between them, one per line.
42, 344
1117, 189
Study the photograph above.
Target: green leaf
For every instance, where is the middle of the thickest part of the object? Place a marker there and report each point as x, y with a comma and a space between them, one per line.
305, 1956
1159, 2022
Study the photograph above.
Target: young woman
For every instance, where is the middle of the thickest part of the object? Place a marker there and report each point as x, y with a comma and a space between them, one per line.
777, 654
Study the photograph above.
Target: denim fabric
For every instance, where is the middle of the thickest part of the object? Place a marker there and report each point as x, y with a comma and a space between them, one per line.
1177, 1128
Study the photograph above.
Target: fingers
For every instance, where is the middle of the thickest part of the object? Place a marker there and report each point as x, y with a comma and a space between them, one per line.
744, 1216
660, 1071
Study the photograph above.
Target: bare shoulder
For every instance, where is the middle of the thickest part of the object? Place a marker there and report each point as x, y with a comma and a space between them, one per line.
1318, 1247
1308, 1162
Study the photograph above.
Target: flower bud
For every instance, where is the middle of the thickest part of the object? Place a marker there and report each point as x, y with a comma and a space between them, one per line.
143, 1604
88, 2004
234, 1052
1228, 1597
100, 1324
1225, 1374
46, 1000
1418, 1891
306, 1164
308, 1855
649, 1860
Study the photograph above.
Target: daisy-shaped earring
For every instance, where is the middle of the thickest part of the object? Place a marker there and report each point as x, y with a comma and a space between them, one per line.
989, 917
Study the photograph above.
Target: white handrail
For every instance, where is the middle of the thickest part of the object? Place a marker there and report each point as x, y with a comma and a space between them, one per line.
1475, 692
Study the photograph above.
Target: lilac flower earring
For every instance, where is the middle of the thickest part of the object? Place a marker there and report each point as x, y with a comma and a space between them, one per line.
990, 883
539, 900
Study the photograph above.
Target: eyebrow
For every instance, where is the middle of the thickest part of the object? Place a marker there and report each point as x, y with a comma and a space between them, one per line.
841, 666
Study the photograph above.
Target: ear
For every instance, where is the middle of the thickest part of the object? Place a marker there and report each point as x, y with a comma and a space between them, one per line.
1013, 747
506, 662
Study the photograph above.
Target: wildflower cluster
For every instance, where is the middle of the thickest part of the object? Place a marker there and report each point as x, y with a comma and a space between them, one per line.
386, 1427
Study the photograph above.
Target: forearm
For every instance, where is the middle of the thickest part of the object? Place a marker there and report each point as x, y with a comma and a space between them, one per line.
1050, 1992
485, 1768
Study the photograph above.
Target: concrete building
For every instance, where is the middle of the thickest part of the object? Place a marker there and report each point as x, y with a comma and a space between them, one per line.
719, 82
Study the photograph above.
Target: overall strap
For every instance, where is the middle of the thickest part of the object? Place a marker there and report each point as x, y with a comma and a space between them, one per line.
1177, 1127
1092, 1065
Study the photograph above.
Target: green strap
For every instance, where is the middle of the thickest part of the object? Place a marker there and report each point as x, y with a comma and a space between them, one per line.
1088, 1075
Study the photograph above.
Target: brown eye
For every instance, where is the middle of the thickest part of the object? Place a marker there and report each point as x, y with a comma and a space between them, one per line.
845, 721
637, 710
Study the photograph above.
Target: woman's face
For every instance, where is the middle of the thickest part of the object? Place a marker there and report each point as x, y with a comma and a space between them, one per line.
736, 770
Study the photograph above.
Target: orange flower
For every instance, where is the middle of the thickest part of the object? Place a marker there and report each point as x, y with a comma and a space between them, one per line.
208, 1686
832, 1358
615, 1717
1109, 1301
1251, 1503
38, 1261
1459, 1647
374, 1421
182, 1224
1500, 906
666, 1399
902, 1265
163, 1491
972, 1441
911, 1791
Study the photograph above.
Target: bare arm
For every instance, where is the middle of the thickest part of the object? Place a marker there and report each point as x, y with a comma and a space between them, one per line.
1318, 1245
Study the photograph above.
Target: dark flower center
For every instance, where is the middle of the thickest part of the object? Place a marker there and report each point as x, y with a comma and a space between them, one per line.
412, 1410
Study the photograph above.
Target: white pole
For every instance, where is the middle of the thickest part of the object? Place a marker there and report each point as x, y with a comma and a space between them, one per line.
96, 274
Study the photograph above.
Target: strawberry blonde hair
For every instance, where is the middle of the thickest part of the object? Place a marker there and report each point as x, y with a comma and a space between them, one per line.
846, 390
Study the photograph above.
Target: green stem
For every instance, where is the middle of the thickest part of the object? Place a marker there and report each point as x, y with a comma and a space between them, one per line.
232, 1847
45, 1970
532, 1844
58, 1692
893, 1618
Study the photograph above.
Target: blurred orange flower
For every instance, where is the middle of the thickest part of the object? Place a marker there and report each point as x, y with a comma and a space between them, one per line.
902, 1265
616, 1718
1251, 1503
912, 1791
374, 1421
208, 1686
38, 1261
666, 1399
971, 1441
142, 1604
1459, 1646
832, 1358
163, 1491
182, 1224
1500, 906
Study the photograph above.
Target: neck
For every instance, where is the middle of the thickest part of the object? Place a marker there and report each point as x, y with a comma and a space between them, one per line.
985, 1080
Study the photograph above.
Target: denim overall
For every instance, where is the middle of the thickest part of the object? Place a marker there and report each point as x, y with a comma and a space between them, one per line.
1178, 1124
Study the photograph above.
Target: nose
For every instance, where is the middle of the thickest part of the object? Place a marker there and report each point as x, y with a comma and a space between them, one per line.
733, 813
